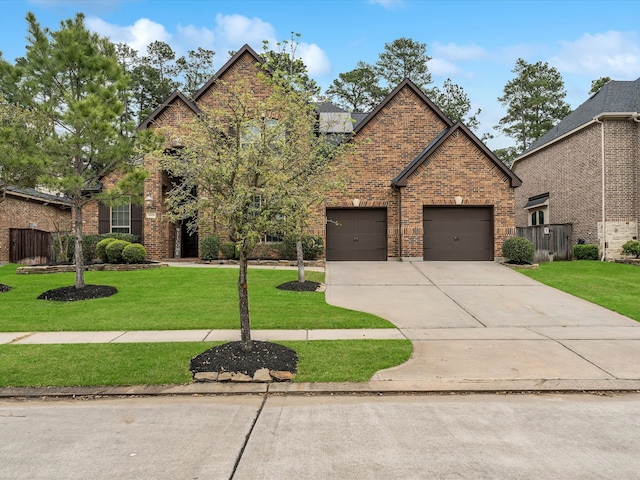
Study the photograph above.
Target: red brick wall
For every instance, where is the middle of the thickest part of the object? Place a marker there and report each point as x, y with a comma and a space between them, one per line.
16, 212
456, 168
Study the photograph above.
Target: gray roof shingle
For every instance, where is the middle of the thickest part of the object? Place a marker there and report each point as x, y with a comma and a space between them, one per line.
613, 97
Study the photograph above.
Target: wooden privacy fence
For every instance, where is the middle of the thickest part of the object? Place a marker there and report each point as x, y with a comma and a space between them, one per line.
552, 242
29, 246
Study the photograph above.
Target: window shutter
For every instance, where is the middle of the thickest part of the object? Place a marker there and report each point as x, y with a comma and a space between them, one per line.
104, 222
136, 221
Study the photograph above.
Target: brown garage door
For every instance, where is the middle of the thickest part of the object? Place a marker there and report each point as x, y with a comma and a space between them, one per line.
356, 234
458, 233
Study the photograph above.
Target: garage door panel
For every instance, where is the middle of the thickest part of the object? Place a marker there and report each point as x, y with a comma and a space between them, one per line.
356, 234
458, 233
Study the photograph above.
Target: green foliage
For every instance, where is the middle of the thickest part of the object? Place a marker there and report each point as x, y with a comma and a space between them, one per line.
101, 248
357, 90
455, 103
518, 250
585, 251
90, 251
312, 247
404, 58
229, 250
535, 103
114, 251
632, 248
133, 253
210, 247
598, 83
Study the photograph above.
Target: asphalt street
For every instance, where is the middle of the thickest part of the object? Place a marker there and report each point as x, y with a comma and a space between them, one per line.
443, 436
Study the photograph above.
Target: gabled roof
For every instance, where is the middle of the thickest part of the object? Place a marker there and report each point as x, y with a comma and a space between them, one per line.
409, 84
246, 49
175, 96
401, 179
618, 98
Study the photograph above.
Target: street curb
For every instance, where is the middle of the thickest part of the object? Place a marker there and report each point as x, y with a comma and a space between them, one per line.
368, 388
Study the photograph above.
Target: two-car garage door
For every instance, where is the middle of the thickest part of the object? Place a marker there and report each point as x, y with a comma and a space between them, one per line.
450, 233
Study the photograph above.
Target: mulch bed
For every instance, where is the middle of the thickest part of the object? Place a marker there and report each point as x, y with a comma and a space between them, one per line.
296, 286
4, 288
230, 357
72, 294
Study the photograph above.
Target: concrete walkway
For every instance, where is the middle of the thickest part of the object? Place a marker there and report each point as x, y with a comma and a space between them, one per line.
475, 326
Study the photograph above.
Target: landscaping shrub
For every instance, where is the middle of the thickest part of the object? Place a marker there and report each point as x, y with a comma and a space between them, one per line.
586, 251
114, 250
89, 245
312, 247
101, 248
229, 250
133, 253
209, 247
518, 250
632, 248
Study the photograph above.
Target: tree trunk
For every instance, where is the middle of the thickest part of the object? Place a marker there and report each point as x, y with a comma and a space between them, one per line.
79, 258
243, 302
300, 257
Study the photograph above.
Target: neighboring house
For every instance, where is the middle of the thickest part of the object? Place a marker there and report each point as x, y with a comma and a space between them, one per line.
27, 219
585, 171
422, 187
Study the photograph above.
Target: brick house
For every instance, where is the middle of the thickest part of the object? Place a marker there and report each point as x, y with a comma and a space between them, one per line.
423, 187
585, 171
25, 213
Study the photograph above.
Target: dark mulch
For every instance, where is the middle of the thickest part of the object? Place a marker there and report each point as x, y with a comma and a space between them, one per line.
4, 288
296, 286
230, 357
72, 294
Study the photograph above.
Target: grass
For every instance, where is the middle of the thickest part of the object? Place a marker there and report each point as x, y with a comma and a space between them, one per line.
614, 286
172, 299
168, 363
176, 298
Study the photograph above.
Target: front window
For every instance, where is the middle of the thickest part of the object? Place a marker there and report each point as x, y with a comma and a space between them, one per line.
121, 219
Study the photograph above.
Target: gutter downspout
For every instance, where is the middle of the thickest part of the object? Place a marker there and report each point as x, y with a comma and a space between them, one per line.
604, 220
397, 189
636, 118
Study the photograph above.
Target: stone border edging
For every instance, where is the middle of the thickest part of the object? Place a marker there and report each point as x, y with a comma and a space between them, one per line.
98, 267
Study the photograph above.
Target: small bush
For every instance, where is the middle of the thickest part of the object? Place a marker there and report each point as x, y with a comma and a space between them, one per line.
114, 250
631, 248
209, 247
229, 250
312, 247
585, 251
518, 250
133, 253
101, 248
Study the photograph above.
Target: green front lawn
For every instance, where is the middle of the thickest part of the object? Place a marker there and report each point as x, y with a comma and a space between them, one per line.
172, 299
168, 363
614, 286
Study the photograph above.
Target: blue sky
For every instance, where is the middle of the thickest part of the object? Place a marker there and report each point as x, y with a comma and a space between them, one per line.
475, 43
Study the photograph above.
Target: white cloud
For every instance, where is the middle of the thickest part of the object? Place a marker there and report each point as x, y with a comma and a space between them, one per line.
137, 36
442, 68
451, 51
236, 30
315, 59
614, 54
190, 38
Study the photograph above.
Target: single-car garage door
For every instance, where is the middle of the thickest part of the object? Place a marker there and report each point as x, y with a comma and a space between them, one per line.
356, 234
458, 233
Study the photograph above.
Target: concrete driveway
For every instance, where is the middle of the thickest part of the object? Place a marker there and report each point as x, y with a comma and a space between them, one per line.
482, 322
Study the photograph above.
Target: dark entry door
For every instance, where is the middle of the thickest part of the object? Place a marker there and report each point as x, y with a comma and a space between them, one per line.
458, 233
356, 234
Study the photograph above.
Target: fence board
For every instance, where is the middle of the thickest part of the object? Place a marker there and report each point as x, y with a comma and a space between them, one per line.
29, 246
556, 242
